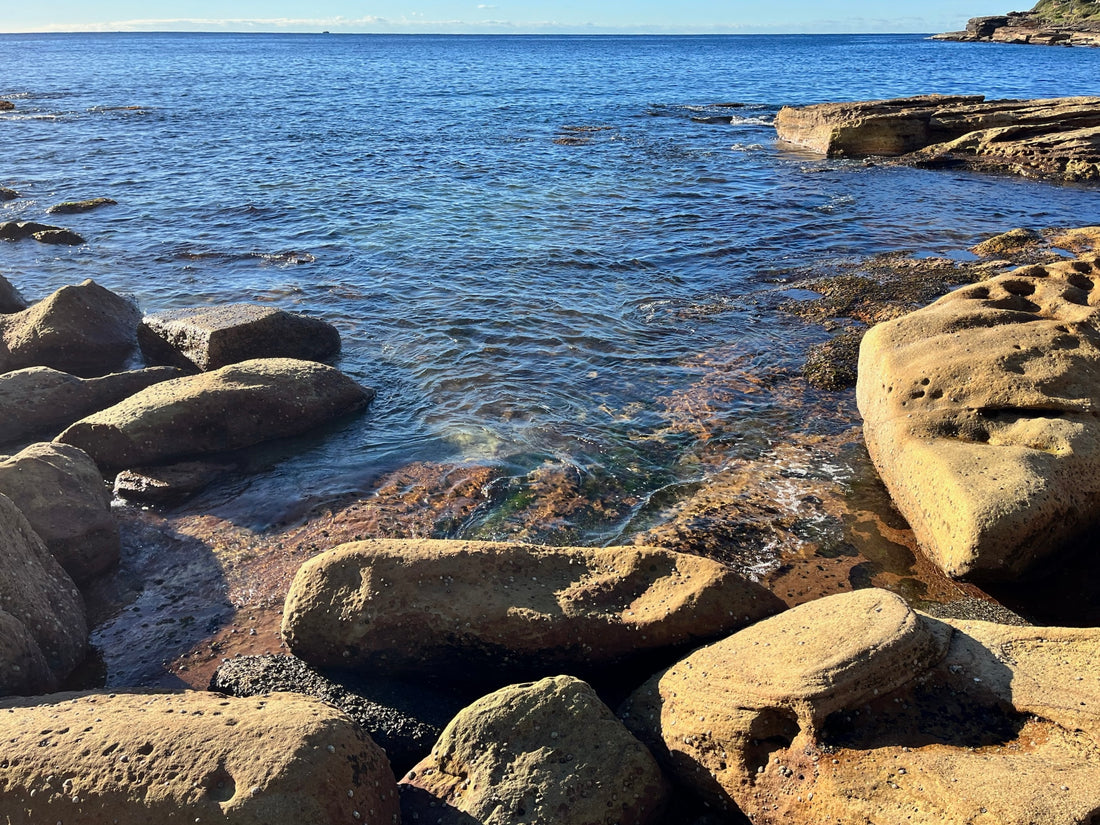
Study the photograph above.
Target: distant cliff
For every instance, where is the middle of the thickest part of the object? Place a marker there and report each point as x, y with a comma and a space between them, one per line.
1050, 23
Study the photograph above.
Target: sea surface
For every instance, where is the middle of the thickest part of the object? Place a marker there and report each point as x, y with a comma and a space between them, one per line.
538, 250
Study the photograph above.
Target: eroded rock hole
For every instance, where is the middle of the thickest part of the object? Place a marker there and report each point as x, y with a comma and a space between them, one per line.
219, 785
772, 730
1034, 272
145, 749
1016, 303
1081, 266
1018, 287
979, 292
1080, 281
1076, 295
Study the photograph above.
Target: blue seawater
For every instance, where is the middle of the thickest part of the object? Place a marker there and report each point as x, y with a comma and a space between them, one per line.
532, 246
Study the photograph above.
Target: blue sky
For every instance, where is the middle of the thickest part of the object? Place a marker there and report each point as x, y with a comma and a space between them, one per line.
493, 16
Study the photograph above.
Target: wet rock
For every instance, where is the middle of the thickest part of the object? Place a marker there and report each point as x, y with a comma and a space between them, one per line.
10, 299
135, 758
979, 414
7, 194
6, 105
60, 491
19, 230
550, 751
1079, 239
40, 401
186, 417
1008, 244
403, 718
168, 484
213, 337
1054, 137
72, 207
59, 237
43, 632
85, 330
854, 708
485, 611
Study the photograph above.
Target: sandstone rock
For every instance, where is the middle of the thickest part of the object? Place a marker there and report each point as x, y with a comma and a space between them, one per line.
71, 207
1012, 242
60, 491
405, 719
59, 237
1058, 137
42, 401
10, 299
985, 26
168, 484
136, 758
486, 610
213, 337
548, 752
980, 415
43, 632
803, 718
18, 230
86, 330
183, 417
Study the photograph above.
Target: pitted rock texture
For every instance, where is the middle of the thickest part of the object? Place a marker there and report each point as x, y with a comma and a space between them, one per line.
39, 401
546, 752
211, 337
138, 758
85, 330
988, 723
234, 407
980, 414
43, 630
1055, 137
480, 610
60, 491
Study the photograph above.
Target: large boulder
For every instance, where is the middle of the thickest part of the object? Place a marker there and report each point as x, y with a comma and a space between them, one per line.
550, 751
61, 492
230, 408
488, 610
854, 709
40, 401
1055, 137
211, 337
86, 330
43, 630
136, 758
980, 415
10, 299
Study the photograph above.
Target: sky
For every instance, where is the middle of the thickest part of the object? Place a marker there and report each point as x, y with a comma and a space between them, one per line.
496, 16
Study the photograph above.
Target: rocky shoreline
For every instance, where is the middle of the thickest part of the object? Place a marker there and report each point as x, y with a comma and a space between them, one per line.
1026, 27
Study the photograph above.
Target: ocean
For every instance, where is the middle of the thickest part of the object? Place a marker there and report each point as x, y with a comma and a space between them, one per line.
545, 253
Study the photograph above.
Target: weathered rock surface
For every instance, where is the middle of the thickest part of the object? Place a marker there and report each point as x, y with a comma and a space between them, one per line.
487, 610
1057, 137
550, 751
60, 491
44, 232
138, 758
211, 337
980, 414
230, 408
59, 237
10, 299
43, 632
854, 709
403, 718
170, 483
85, 330
72, 207
40, 401
1038, 27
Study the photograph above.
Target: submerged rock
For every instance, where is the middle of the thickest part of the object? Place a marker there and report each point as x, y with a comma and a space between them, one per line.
211, 337
1056, 137
548, 752
40, 401
72, 207
85, 330
136, 758
486, 611
18, 230
980, 415
7, 194
60, 491
6, 105
855, 709
59, 237
170, 483
184, 417
43, 631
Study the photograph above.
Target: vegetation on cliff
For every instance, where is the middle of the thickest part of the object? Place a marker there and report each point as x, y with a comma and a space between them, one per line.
1067, 12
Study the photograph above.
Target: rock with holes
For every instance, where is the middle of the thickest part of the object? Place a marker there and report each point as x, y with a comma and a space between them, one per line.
980, 413
211, 337
855, 709
43, 630
136, 758
548, 751
228, 409
85, 330
488, 611
60, 491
